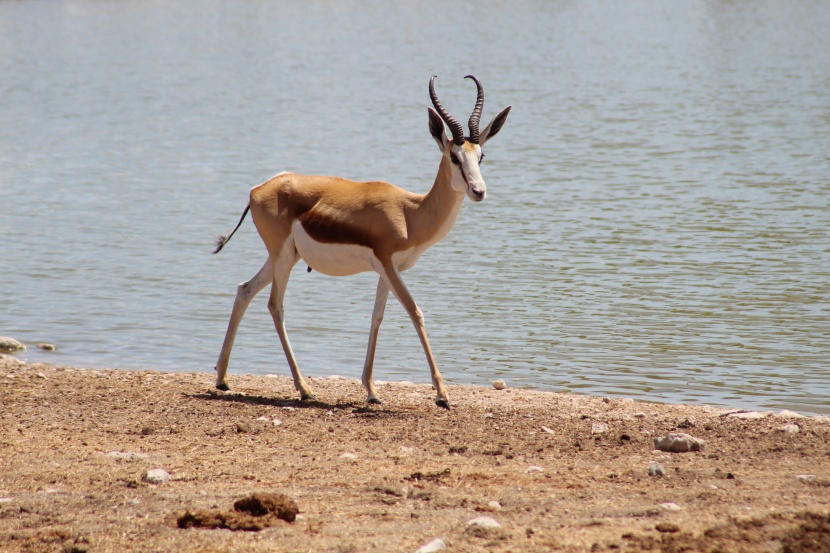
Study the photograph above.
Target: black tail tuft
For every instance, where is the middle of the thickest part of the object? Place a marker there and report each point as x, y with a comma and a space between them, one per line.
220, 243
222, 240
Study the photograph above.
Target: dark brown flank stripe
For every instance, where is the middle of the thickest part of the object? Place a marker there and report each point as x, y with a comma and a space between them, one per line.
326, 230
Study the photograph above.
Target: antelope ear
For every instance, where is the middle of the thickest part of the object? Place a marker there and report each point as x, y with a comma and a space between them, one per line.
436, 129
494, 126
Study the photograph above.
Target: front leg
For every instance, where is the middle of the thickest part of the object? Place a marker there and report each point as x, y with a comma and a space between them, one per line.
377, 318
393, 279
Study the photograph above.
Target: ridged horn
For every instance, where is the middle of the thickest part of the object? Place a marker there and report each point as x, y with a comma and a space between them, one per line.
455, 127
475, 118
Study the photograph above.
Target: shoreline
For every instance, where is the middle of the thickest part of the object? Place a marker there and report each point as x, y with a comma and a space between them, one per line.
555, 471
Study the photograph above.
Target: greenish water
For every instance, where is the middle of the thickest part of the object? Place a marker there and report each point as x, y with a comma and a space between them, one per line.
658, 203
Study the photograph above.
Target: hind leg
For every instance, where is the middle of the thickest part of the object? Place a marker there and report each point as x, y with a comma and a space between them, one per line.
245, 292
286, 259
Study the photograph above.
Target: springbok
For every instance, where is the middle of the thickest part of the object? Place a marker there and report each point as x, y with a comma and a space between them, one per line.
341, 227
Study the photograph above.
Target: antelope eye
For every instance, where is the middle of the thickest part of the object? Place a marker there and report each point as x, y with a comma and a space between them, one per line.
455, 159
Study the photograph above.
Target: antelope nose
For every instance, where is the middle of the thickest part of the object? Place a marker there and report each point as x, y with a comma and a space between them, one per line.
477, 193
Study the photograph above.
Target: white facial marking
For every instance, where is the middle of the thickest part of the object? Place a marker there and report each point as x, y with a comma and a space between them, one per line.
471, 181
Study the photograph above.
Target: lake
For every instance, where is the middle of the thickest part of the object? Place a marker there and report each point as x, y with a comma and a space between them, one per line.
657, 223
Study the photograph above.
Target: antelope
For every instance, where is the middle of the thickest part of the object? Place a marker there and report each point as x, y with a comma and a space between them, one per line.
340, 227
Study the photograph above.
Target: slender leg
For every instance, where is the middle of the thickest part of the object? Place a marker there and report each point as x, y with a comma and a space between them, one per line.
245, 292
393, 279
377, 318
282, 270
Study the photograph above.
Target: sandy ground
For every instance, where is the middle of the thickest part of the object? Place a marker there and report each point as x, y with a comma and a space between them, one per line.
568, 472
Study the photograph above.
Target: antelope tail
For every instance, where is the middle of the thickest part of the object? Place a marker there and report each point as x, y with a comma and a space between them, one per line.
223, 239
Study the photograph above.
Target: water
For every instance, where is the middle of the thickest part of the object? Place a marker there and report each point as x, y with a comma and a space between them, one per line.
656, 225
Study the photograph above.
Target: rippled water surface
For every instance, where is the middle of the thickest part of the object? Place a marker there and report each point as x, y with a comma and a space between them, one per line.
658, 217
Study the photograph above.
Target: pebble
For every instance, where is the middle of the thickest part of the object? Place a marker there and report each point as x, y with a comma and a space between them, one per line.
670, 506
495, 505
484, 522
639, 415
548, 430
10, 345
499, 384
348, 456
678, 443
276, 422
790, 414
156, 476
807, 477
6, 499
534, 470
433, 546
46, 347
127, 455
599, 428
41, 375
789, 429
656, 469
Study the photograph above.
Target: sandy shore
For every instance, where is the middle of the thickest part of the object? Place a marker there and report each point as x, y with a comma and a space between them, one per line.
557, 472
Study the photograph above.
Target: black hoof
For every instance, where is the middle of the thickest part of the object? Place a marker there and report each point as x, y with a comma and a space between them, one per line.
443, 403
374, 401
223, 387
310, 397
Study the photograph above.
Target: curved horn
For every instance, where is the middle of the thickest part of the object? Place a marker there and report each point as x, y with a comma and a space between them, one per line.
455, 127
475, 118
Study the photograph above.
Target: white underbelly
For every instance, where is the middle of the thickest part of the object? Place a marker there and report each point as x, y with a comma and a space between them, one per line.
332, 259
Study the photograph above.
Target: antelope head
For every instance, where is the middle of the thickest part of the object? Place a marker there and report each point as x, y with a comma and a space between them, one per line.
464, 152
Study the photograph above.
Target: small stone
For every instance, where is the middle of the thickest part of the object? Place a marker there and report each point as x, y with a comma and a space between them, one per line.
548, 430
6, 499
789, 429
670, 507
10, 345
242, 428
599, 428
807, 477
484, 522
679, 443
667, 527
265, 419
348, 456
499, 384
639, 415
156, 476
126, 455
276, 422
41, 375
46, 347
495, 505
488, 415
656, 469
433, 546
534, 470
748, 415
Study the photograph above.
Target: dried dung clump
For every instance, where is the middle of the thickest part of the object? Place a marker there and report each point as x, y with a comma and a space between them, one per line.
252, 514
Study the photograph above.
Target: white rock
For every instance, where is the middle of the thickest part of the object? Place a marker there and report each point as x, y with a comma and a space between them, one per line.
678, 443
789, 429
548, 430
433, 546
266, 419
670, 506
127, 455
750, 415
6, 499
495, 505
656, 469
348, 456
156, 476
277, 422
488, 415
807, 477
336, 377
499, 384
534, 470
10, 345
640, 415
599, 428
790, 414
484, 522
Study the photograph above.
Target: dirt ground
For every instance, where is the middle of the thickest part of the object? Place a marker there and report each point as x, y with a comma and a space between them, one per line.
568, 472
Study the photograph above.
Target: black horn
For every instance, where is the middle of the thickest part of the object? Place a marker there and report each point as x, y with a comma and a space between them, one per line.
475, 118
455, 127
